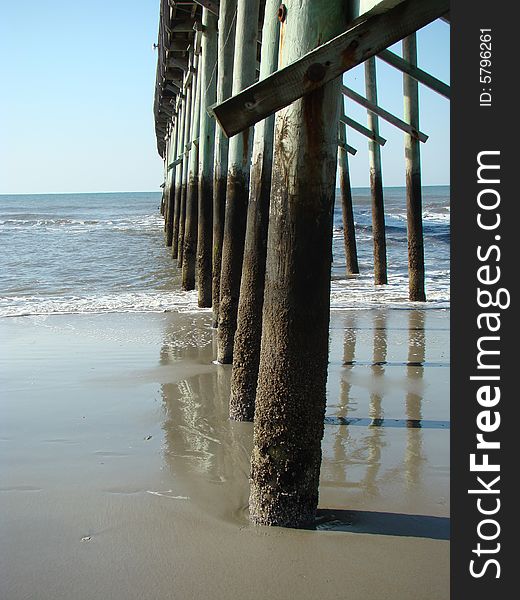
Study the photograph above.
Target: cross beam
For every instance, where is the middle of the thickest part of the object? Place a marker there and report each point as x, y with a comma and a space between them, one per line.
415, 73
373, 32
363, 130
384, 114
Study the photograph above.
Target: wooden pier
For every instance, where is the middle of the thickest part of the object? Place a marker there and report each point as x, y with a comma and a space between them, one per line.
251, 123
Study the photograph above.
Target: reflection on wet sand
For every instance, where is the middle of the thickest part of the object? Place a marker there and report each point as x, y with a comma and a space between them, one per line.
206, 453
210, 456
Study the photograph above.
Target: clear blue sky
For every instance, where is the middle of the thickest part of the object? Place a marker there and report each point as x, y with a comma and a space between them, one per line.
77, 83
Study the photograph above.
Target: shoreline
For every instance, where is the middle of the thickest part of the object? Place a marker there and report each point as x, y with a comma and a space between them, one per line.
115, 429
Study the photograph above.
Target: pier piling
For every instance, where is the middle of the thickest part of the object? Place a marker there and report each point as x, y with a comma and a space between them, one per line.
189, 257
208, 75
246, 350
349, 230
290, 400
226, 46
237, 187
189, 90
376, 180
413, 178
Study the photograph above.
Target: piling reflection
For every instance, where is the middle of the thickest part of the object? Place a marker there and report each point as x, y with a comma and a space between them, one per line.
381, 377
415, 372
361, 455
207, 455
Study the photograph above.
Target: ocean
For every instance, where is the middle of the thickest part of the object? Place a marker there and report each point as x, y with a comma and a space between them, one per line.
99, 253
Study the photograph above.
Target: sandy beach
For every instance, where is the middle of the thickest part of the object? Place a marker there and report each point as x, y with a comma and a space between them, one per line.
123, 478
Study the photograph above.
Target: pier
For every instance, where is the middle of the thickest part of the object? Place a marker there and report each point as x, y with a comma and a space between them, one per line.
252, 126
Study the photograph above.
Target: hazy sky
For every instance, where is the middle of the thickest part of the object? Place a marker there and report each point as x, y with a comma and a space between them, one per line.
77, 84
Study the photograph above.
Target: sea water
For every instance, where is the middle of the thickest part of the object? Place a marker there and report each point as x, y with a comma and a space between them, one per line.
95, 253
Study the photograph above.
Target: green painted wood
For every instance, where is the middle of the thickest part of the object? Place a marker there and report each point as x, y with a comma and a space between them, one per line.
376, 180
413, 179
206, 154
389, 22
181, 111
237, 185
415, 73
226, 46
349, 229
192, 196
246, 349
190, 82
375, 109
363, 130
291, 390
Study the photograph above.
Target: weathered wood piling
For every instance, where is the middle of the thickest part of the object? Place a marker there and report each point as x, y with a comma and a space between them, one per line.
237, 188
246, 351
189, 90
208, 86
349, 229
376, 180
189, 254
226, 46
249, 219
290, 398
413, 177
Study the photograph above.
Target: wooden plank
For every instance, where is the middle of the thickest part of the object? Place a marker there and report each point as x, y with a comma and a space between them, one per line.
180, 63
363, 130
388, 23
415, 73
375, 109
347, 147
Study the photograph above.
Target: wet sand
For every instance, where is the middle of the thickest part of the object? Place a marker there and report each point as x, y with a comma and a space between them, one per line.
121, 476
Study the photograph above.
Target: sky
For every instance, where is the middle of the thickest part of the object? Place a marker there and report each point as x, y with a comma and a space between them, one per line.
76, 98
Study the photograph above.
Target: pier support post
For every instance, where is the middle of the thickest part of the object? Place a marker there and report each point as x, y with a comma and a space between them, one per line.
182, 115
290, 401
208, 84
376, 180
190, 99
169, 208
237, 188
226, 46
246, 351
349, 230
413, 178
190, 227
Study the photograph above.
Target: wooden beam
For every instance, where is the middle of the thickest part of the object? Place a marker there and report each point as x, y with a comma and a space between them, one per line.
371, 135
415, 73
183, 26
179, 63
373, 32
384, 114
211, 5
345, 146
